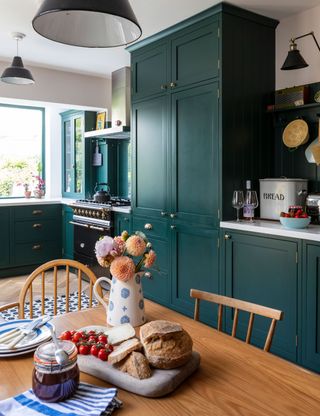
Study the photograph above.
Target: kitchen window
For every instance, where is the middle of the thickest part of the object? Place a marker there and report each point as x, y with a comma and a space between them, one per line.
21, 149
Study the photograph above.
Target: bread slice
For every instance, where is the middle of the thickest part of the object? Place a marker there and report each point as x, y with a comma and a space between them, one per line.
124, 349
136, 365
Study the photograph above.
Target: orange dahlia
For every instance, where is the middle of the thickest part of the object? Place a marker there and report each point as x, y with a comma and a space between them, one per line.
150, 258
136, 245
122, 268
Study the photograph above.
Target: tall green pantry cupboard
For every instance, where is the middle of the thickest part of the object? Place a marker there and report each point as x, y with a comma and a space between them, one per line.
199, 130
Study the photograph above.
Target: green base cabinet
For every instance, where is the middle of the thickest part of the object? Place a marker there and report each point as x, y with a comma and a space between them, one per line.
311, 307
122, 222
67, 232
4, 237
264, 270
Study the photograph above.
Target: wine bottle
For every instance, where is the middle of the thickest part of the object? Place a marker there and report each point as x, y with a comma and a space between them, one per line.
248, 209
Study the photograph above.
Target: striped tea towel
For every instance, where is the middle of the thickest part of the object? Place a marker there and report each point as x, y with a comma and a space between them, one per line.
88, 400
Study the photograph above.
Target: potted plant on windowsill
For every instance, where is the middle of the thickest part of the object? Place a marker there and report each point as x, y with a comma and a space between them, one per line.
27, 192
39, 190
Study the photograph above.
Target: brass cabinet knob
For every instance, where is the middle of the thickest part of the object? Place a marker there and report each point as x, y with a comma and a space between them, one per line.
173, 84
36, 225
37, 212
164, 87
173, 227
227, 237
173, 215
36, 247
163, 213
148, 226
126, 219
148, 275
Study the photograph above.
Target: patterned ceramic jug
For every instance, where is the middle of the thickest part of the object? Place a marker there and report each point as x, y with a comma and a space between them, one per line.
126, 303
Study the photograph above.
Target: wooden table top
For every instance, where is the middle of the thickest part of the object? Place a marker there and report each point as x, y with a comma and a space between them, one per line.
234, 378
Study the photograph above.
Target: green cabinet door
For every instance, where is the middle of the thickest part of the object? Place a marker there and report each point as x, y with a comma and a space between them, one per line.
150, 71
195, 265
67, 232
4, 237
195, 54
264, 270
311, 308
122, 222
150, 136
195, 147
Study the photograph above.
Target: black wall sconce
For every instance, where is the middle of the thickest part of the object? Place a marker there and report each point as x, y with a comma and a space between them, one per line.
294, 60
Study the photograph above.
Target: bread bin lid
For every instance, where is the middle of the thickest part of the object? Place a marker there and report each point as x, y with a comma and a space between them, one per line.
315, 196
283, 180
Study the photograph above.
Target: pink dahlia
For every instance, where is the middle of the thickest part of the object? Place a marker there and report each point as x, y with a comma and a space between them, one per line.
150, 258
119, 247
104, 246
122, 268
136, 245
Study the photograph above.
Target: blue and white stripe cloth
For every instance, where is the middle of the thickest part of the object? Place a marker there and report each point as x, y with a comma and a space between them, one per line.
88, 400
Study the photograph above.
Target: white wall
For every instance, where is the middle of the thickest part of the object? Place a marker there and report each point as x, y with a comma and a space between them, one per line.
60, 87
293, 26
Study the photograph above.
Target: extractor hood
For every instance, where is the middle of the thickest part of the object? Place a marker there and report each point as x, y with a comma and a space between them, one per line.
120, 108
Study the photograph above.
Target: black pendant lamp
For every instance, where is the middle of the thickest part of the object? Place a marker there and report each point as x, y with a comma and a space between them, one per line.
294, 60
88, 23
17, 73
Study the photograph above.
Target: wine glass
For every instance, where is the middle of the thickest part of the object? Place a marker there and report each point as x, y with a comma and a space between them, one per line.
252, 201
238, 202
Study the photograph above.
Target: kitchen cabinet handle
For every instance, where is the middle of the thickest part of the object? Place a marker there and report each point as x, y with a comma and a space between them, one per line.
37, 212
164, 87
173, 215
148, 275
36, 247
227, 237
93, 227
37, 226
173, 227
163, 213
148, 226
79, 224
173, 84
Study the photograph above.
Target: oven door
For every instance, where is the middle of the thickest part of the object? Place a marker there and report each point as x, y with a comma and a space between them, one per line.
85, 237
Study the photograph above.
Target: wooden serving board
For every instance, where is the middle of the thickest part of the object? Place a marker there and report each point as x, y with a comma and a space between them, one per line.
161, 382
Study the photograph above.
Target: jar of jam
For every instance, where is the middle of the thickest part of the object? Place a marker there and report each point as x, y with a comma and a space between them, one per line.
52, 382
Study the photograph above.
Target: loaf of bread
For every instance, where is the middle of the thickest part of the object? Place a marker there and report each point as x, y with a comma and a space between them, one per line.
124, 349
166, 344
136, 365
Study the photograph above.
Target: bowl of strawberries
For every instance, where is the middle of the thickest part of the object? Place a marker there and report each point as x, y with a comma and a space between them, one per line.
295, 219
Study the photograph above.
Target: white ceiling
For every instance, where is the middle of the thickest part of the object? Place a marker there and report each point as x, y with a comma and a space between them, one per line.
153, 16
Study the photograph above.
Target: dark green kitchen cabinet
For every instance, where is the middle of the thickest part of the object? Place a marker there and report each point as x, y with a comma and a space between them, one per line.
264, 270
67, 232
157, 288
76, 153
122, 222
311, 307
194, 254
4, 237
150, 148
194, 168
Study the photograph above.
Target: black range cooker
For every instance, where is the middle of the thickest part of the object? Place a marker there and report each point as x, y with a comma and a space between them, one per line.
91, 221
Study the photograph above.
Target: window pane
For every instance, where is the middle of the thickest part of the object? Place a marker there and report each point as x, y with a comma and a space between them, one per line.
20, 149
78, 156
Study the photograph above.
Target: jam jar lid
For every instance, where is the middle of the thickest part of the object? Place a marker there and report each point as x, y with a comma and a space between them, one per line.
44, 356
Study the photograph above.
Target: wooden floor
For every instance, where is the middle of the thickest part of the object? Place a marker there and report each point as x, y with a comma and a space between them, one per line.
10, 287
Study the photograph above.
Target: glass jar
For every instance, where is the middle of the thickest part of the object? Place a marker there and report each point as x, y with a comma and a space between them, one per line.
52, 382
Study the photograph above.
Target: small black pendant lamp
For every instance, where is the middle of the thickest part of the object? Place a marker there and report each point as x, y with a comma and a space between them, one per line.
294, 60
88, 23
17, 73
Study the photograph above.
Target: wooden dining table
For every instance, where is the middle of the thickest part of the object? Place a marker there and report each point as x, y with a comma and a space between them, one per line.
234, 379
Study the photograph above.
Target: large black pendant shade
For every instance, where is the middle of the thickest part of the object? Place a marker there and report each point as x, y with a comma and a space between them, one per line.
17, 73
294, 60
87, 23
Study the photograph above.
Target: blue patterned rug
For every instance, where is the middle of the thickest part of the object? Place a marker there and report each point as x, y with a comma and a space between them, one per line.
12, 313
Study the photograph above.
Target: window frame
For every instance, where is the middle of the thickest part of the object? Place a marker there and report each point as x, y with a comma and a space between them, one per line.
43, 140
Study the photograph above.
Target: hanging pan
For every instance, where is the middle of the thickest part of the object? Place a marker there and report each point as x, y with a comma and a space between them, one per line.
312, 151
296, 133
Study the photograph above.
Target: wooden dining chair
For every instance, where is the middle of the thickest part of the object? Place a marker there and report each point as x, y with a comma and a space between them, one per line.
238, 305
52, 270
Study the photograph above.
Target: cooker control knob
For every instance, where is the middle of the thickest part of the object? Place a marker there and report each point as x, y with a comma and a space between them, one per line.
82, 245
86, 212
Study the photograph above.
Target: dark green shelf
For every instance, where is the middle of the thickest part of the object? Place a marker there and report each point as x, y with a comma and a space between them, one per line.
298, 107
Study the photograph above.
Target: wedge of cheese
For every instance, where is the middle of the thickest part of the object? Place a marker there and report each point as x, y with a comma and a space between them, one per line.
120, 333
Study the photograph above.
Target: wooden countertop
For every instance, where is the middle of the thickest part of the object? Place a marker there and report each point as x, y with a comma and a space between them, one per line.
234, 378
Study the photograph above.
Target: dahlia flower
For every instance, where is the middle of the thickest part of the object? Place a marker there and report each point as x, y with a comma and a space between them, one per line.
119, 247
104, 246
105, 261
136, 245
122, 268
150, 258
